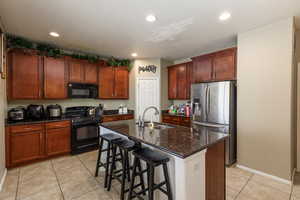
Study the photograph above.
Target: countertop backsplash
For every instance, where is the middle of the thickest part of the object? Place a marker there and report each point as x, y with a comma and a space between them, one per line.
108, 104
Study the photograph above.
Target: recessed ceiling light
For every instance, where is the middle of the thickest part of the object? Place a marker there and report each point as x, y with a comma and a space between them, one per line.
54, 34
151, 18
134, 55
224, 16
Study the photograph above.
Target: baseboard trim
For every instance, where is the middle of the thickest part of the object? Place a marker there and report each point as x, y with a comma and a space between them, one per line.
3, 179
264, 174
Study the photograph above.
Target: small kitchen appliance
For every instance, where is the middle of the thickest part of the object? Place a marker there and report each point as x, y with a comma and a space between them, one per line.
54, 111
17, 114
35, 112
82, 90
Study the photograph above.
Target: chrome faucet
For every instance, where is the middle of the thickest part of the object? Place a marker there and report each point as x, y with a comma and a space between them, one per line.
142, 121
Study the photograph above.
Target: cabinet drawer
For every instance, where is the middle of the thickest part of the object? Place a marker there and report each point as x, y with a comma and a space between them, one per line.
111, 118
186, 120
166, 117
126, 117
61, 124
26, 128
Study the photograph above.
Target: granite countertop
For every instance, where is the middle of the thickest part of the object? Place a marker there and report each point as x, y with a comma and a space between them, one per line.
116, 112
179, 141
105, 113
13, 123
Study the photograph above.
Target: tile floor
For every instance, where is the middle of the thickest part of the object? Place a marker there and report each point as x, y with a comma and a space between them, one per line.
71, 177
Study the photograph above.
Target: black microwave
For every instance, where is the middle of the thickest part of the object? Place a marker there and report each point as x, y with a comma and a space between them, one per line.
81, 90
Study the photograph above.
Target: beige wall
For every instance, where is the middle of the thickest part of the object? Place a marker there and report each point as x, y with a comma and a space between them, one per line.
297, 53
264, 101
2, 129
3, 108
165, 102
108, 104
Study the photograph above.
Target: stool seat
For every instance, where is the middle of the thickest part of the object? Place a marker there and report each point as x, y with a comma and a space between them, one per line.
110, 137
125, 144
150, 156
153, 159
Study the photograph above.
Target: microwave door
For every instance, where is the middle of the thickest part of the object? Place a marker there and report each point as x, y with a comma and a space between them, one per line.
198, 102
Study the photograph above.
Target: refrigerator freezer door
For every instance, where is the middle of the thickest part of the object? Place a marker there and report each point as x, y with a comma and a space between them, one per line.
198, 102
218, 103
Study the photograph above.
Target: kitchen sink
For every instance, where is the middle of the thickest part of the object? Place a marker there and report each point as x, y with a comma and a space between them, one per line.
157, 126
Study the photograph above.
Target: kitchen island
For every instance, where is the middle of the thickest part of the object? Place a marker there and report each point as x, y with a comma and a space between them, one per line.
197, 157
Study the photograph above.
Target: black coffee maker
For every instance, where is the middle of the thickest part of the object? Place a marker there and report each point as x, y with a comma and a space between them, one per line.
99, 111
35, 112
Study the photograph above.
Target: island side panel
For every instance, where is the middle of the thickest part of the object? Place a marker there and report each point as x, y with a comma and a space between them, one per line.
216, 172
190, 177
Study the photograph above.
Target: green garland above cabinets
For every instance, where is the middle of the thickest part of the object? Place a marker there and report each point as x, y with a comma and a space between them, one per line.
53, 51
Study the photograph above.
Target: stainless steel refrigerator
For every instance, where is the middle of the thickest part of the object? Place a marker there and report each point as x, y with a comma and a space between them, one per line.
214, 108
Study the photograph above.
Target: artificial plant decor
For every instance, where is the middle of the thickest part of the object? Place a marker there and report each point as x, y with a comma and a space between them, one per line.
53, 51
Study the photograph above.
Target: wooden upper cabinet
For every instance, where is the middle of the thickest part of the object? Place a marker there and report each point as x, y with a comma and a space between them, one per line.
90, 73
202, 69
217, 66
172, 82
121, 83
106, 82
181, 82
113, 82
225, 65
55, 78
189, 72
76, 71
24, 75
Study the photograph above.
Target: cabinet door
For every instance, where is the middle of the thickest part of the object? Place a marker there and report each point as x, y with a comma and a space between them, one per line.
106, 82
91, 73
225, 65
55, 78
121, 83
181, 82
58, 141
76, 71
172, 82
202, 68
189, 72
24, 75
26, 146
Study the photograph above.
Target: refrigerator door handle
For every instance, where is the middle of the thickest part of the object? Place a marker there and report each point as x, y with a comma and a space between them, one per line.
206, 101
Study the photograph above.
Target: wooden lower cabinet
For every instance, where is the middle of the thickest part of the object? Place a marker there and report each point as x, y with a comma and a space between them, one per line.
58, 138
111, 118
28, 143
26, 146
215, 172
176, 120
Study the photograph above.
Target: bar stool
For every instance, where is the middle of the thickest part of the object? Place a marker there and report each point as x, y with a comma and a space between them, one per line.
109, 138
153, 159
124, 146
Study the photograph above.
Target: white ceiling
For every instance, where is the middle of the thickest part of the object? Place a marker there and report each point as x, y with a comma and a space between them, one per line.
183, 28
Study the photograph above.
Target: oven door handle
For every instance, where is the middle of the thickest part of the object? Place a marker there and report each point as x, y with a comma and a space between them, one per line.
83, 125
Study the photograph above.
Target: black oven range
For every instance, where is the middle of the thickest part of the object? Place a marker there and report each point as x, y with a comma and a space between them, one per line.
85, 129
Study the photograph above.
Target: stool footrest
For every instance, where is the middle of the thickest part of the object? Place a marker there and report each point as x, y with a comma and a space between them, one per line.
141, 172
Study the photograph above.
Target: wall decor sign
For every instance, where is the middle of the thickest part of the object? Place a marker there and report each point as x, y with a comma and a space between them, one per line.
148, 68
2, 59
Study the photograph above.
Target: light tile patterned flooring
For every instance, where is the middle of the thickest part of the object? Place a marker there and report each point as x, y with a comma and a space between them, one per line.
71, 177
